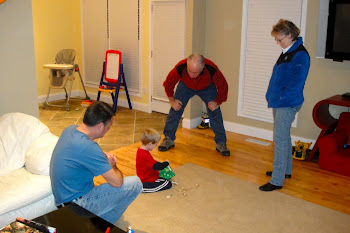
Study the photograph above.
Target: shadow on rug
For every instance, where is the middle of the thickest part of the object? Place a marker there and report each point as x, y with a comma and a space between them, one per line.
208, 201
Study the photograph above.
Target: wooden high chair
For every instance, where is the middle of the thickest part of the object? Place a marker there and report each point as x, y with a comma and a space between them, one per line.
61, 73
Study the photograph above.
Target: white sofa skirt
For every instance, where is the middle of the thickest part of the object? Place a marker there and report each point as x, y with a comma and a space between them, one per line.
31, 211
25, 195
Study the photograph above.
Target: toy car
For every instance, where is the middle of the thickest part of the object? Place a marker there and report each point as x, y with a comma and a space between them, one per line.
301, 150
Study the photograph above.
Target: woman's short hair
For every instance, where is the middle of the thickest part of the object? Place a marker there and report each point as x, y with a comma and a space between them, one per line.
98, 112
285, 27
150, 135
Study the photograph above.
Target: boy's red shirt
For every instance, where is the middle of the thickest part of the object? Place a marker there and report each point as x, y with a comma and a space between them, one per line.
144, 166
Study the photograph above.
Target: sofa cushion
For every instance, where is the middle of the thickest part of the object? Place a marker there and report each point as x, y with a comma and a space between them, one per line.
17, 131
38, 154
21, 188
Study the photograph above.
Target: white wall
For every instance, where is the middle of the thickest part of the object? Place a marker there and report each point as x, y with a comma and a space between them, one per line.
18, 88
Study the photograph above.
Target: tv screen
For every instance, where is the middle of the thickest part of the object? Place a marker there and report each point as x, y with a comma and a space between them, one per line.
338, 31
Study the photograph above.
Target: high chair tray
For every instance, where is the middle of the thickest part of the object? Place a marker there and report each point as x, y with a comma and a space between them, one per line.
59, 66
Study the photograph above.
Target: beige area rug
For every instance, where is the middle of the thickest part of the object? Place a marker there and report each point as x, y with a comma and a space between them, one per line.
208, 201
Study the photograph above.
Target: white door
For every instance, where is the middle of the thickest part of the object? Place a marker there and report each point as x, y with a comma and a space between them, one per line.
167, 47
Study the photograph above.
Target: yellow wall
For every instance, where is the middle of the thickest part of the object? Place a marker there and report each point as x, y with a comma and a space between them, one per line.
57, 26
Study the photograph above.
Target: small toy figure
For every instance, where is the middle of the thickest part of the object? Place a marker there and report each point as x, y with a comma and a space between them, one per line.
205, 121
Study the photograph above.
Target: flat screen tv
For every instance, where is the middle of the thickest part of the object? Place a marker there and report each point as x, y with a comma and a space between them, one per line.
338, 30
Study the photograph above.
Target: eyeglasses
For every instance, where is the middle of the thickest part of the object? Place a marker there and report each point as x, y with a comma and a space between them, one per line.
280, 40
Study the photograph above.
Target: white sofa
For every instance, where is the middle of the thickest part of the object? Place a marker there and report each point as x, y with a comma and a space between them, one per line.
26, 146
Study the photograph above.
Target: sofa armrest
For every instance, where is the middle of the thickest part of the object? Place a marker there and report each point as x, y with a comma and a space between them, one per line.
17, 132
332, 142
38, 154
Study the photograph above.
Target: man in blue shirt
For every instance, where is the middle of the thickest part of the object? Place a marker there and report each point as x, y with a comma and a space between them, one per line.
77, 159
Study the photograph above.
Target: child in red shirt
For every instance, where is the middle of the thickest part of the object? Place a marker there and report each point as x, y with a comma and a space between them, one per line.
147, 168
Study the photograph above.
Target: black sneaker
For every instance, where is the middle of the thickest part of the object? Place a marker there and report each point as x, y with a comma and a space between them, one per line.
166, 144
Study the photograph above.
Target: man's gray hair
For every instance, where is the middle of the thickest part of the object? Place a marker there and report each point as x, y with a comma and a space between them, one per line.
196, 57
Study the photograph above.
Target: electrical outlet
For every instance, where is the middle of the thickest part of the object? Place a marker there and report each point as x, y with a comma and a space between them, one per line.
144, 91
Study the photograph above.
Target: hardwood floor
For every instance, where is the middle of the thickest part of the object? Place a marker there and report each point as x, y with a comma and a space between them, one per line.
248, 161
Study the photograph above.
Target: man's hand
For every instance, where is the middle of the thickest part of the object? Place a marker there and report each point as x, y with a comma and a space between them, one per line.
114, 177
112, 160
212, 105
175, 104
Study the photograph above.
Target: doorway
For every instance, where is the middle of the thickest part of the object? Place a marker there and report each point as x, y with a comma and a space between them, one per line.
168, 27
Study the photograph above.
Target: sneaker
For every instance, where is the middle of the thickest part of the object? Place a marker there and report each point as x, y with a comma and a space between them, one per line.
166, 144
223, 149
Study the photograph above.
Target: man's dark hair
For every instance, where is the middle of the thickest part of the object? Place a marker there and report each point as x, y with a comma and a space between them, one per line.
98, 112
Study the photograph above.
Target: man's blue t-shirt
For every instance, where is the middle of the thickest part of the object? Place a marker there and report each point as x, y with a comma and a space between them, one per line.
75, 161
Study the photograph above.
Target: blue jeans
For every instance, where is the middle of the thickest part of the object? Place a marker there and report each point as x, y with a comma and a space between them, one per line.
282, 159
109, 202
184, 94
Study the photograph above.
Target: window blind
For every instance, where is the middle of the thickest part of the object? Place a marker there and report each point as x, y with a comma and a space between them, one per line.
123, 36
259, 52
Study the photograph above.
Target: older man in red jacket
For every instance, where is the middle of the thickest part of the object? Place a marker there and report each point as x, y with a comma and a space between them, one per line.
195, 75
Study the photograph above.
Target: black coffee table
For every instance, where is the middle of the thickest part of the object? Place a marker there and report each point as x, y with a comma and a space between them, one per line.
73, 218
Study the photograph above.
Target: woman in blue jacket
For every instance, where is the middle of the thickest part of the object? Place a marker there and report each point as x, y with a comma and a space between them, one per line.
285, 96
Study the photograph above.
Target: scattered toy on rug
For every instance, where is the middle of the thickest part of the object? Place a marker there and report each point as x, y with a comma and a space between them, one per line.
182, 190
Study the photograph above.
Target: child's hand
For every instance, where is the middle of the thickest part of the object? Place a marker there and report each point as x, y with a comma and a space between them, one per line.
112, 160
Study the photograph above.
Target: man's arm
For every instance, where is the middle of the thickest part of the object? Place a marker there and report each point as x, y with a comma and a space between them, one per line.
160, 166
222, 87
114, 177
170, 82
